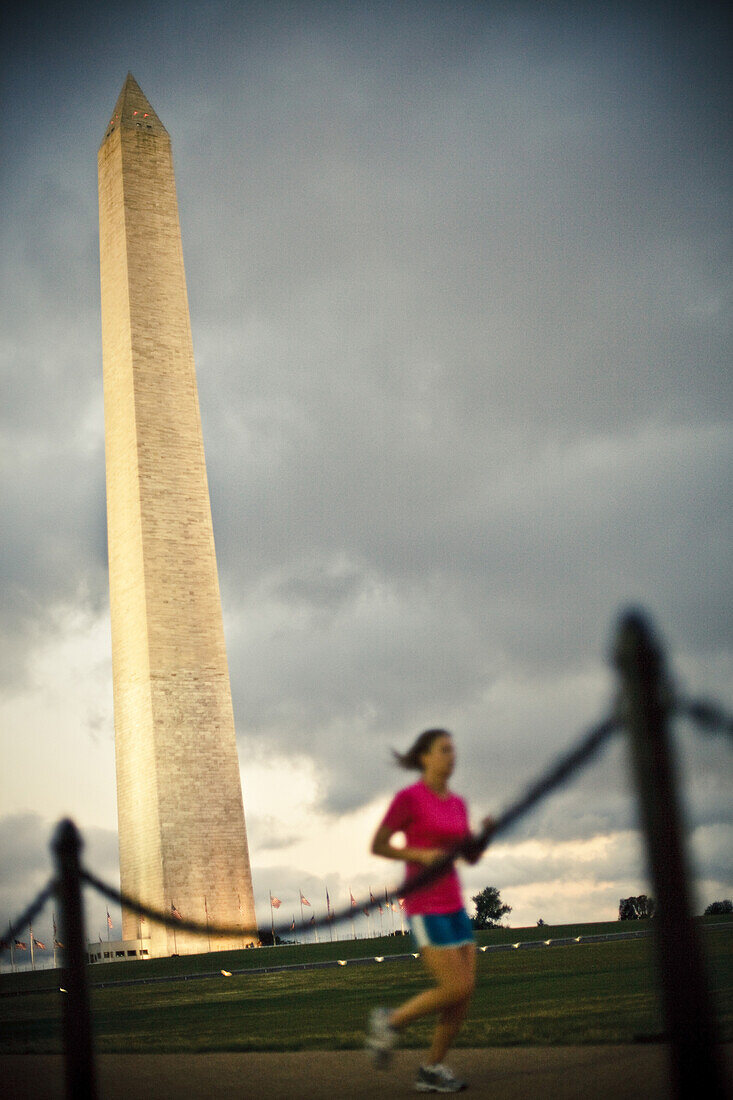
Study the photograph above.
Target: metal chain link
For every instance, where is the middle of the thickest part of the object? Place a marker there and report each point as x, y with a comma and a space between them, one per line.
470, 847
31, 912
708, 715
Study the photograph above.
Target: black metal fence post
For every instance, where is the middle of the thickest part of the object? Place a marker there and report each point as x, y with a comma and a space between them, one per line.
76, 1013
696, 1060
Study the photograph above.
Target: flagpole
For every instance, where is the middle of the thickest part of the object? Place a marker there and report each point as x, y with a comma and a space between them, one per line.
272, 918
301, 906
208, 933
33, 958
175, 944
241, 914
12, 946
328, 911
353, 906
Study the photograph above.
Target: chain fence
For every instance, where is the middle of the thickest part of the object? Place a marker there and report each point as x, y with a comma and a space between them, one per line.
708, 716
472, 847
644, 706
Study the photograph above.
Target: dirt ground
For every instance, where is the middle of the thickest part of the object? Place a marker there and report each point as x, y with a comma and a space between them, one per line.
546, 1073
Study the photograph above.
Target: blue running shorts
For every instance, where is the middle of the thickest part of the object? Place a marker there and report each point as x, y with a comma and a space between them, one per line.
442, 929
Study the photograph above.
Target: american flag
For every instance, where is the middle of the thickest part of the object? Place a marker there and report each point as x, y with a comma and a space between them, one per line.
303, 901
175, 912
109, 920
21, 946
353, 902
39, 945
275, 902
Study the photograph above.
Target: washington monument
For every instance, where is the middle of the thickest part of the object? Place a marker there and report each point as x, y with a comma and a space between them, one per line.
183, 843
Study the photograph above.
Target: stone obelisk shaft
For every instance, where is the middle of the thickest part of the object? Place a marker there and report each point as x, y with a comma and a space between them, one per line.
183, 842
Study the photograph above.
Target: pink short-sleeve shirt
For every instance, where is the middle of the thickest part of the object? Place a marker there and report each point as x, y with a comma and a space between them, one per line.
429, 821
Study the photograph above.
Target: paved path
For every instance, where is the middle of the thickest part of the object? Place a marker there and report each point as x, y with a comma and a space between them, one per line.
547, 1073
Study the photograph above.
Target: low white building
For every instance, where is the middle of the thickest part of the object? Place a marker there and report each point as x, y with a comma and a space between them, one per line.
117, 950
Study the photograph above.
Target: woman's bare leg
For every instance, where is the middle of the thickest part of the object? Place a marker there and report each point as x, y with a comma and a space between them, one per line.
451, 1018
453, 969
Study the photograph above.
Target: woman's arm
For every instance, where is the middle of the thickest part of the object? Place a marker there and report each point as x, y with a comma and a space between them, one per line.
480, 841
382, 846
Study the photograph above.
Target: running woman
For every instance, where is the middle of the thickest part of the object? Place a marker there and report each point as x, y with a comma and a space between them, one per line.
433, 820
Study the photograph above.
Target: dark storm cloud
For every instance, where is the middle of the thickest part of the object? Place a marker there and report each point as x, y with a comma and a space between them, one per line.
460, 294
508, 438
54, 535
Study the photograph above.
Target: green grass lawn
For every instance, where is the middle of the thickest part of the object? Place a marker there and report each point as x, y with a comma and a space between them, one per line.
587, 993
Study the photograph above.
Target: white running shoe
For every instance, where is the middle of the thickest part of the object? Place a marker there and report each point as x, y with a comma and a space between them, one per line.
380, 1038
438, 1078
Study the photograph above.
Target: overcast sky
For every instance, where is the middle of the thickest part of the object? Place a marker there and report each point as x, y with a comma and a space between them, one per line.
460, 289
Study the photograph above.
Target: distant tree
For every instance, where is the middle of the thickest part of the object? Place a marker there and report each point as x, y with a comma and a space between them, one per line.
540, 923
489, 908
640, 908
717, 907
265, 937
